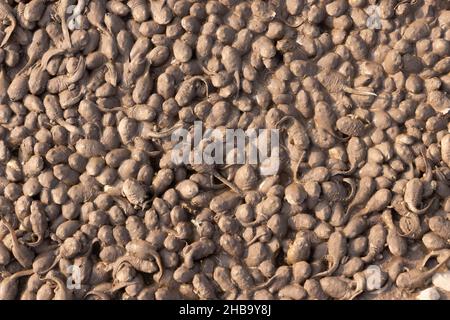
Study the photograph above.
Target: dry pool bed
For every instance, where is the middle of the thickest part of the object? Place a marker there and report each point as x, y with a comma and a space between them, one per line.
91, 91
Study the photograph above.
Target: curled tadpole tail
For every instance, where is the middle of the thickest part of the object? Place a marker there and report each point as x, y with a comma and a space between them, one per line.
9, 285
229, 184
164, 133
353, 189
409, 206
22, 253
37, 242
358, 92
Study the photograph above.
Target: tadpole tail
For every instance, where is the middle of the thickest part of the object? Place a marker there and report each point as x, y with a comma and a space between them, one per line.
14, 239
255, 239
352, 192
429, 273
50, 54
68, 127
22, 273
120, 285
369, 256
62, 11
426, 258
160, 265
30, 65
419, 211
55, 262
358, 92
252, 223
163, 134
284, 119
355, 294
214, 186
227, 183
66, 34
345, 173
292, 25
237, 78
328, 272
115, 109
265, 284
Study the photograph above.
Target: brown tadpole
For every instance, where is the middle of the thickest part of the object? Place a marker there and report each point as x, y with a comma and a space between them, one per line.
38, 223
415, 278
378, 202
141, 265
337, 248
357, 154
67, 81
342, 288
335, 82
20, 251
9, 286
144, 250
60, 286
